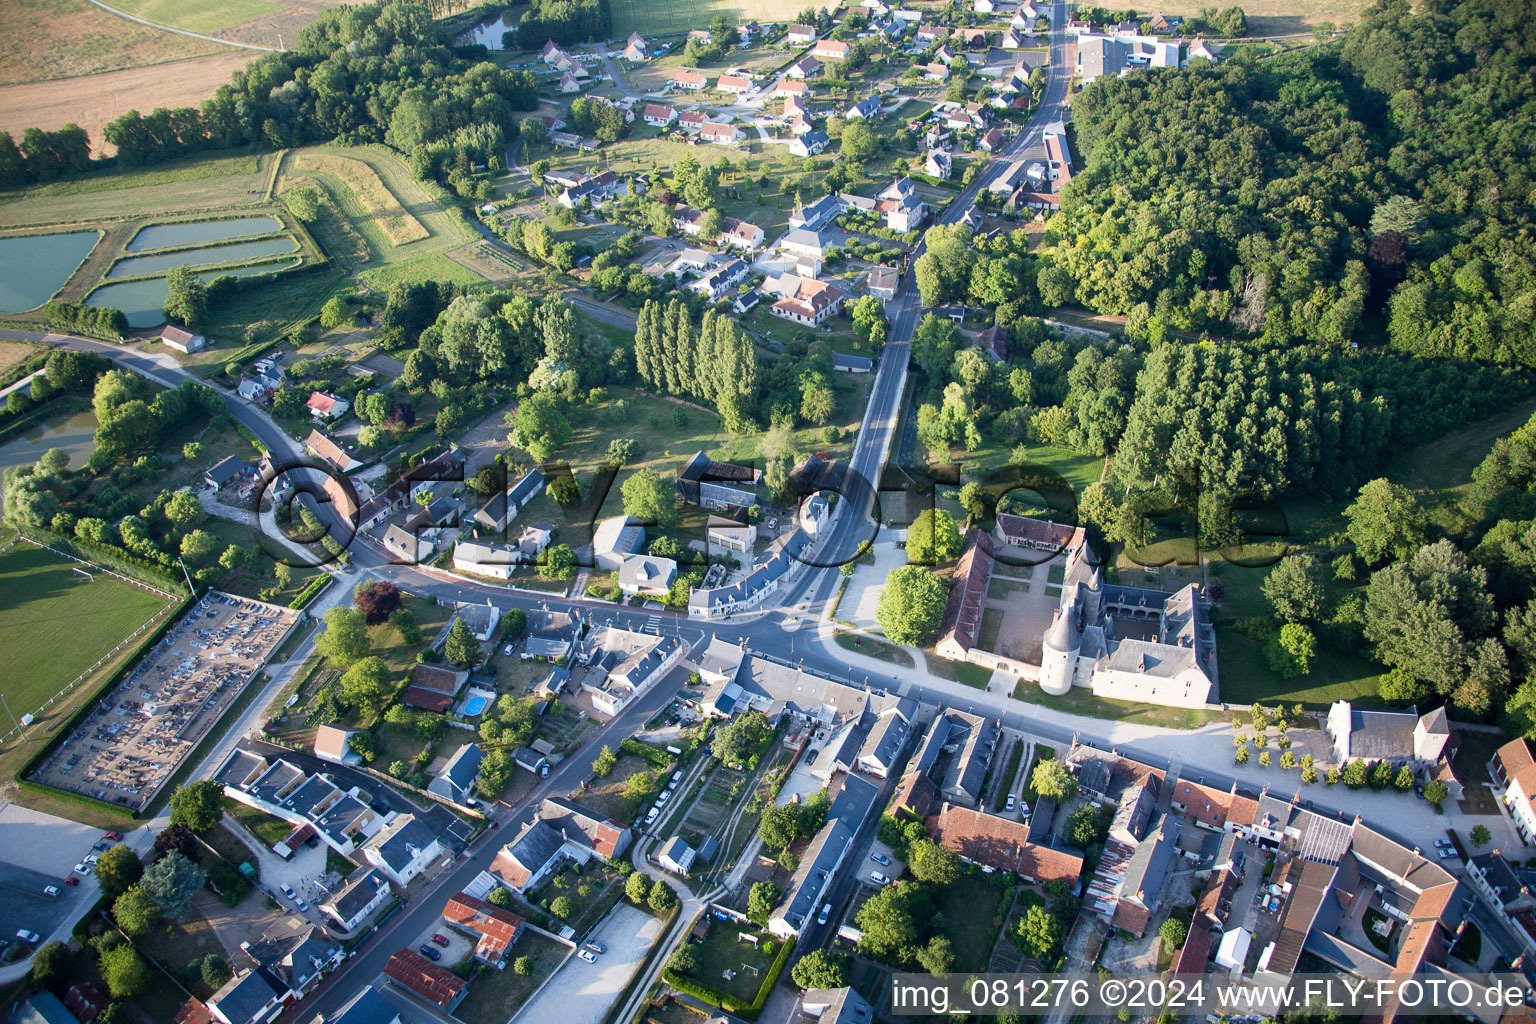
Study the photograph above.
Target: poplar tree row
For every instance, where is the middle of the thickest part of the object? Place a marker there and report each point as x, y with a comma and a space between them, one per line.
715, 363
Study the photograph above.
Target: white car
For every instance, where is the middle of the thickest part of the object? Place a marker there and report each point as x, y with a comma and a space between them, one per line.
826, 912
1444, 844
507, 650
1011, 801
26, 936
587, 955
663, 798
878, 878
652, 815
50, 890
82, 869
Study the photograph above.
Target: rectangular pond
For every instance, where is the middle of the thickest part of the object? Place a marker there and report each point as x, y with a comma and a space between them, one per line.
141, 301
137, 266
159, 236
33, 267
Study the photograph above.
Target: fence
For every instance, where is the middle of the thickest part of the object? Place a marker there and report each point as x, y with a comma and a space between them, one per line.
19, 728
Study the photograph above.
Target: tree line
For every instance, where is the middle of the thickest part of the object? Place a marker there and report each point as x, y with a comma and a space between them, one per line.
381, 72
716, 365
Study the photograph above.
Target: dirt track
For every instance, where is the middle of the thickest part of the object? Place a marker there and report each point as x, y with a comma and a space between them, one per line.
93, 100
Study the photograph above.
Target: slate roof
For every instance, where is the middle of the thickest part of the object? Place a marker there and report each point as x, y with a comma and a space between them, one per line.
244, 996
360, 889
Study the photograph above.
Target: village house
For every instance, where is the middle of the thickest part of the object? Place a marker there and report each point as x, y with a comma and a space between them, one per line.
183, 341
831, 49
324, 407
806, 67
734, 84
790, 88
813, 302
690, 81
809, 144
800, 35
721, 134
415, 973
659, 115
563, 831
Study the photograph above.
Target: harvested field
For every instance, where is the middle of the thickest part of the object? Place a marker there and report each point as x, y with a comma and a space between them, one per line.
14, 352
661, 17
93, 100
47, 40
370, 193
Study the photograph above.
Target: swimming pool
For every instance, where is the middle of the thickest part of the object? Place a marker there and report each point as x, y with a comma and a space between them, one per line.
475, 705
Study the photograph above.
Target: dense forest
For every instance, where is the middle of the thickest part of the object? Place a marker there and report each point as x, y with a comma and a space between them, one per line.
1290, 199
376, 73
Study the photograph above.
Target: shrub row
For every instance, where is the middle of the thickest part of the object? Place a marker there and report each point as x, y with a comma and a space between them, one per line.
312, 591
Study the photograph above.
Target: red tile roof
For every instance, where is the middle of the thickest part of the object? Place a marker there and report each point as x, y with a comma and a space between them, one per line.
497, 928
322, 403
1195, 957
1131, 917
915, 795
1002, 843
1519, 766
426, 979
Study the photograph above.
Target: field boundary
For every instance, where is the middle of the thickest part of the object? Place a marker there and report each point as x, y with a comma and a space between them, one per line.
181, 31
96, 665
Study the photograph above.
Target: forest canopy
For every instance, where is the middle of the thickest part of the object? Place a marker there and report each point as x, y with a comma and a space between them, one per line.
1293, 198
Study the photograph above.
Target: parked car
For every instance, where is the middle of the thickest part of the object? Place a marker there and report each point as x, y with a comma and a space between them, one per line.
662, 799
71, 880
1445, 854
1011, 801
26, 936
1444, 844
91, 858
878, 878
440, 939
299, 902
429, 953
102, 846
879, 858
50, 890
586, 954
826, 912
116, 837
651, 815
82, 868
288, 891
597, 947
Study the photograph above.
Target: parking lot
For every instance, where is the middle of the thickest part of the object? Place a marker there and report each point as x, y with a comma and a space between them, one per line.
42, 850
137, 737
582, 993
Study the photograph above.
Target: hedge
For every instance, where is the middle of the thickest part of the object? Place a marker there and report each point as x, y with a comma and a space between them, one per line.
115, 558
657, 759
310, 592
727, 1002
149, 641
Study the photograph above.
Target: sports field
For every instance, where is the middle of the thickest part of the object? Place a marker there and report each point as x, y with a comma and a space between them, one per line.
54, 624
666, 17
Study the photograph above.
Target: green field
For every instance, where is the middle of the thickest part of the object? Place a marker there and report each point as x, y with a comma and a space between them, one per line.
665, 17
205, 16
183, 189
54, 625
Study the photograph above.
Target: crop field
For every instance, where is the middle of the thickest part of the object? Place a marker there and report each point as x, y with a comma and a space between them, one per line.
369, 194
54, 623
666, 17
92, 100
1284, 17
54, 39
184, 189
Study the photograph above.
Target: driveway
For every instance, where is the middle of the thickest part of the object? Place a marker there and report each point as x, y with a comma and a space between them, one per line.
583, 993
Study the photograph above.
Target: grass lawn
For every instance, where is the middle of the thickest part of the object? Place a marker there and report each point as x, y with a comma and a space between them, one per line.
269, 829
1368, 924
178, 946
874, 647
1080, 701
496, 995
972, 909
55, 624
391, 646
607, 796
724, 951
958, 671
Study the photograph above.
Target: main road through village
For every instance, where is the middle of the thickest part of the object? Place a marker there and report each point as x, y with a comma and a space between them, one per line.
791, 629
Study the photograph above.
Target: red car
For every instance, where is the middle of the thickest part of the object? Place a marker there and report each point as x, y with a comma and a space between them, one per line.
116, 837
441, 940
71, 880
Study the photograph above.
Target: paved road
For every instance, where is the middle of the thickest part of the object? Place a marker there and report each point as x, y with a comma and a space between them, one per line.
427, 905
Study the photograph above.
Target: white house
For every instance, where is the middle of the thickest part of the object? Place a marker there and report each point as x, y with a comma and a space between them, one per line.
324, 407
183, 341
364, 892
809, 144
402, 849
799, 35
